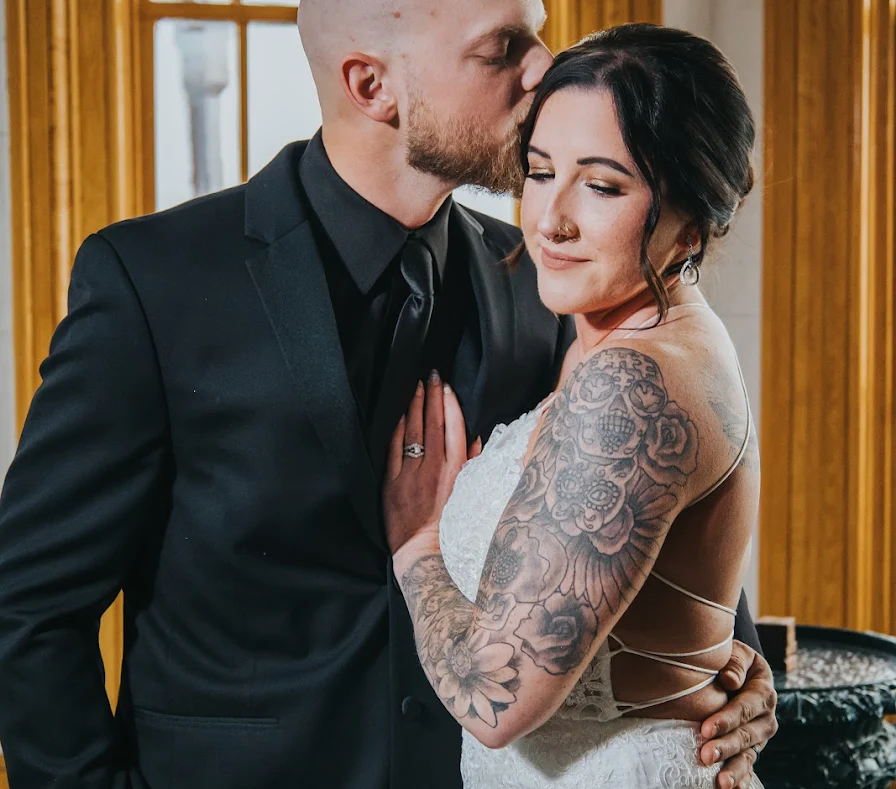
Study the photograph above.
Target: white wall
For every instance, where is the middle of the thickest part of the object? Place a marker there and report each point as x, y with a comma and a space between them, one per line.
732, 277
7, 378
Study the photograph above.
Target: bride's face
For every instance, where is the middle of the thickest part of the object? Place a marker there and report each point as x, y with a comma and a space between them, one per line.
584, 207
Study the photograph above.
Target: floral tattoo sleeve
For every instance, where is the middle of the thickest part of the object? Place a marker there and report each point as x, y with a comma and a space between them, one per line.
574, 546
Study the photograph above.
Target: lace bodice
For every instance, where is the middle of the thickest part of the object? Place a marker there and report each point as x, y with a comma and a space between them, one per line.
586, 743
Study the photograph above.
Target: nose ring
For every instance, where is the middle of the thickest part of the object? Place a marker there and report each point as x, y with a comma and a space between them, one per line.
563, 230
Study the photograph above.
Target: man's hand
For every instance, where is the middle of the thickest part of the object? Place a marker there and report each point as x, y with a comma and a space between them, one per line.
747, 720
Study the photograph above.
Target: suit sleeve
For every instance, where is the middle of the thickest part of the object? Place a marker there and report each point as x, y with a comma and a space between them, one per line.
744, 629
77, 498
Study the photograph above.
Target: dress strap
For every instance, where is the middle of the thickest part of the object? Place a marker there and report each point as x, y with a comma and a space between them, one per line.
674, 307
631, 706
677, 588
667, 657
545, 404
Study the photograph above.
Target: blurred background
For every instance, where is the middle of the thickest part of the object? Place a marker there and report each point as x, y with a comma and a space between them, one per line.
121, 107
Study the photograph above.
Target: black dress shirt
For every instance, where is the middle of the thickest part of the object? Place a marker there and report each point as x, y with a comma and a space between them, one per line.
361, 248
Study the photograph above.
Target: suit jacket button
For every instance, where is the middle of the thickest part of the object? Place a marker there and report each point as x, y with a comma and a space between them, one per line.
411, 708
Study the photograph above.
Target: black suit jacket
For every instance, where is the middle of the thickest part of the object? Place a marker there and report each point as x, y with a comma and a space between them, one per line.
196, 443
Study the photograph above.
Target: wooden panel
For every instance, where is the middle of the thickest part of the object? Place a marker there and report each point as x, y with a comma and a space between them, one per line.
828, 314
71, 131
874, 602
571, 20
777, 338
220, 12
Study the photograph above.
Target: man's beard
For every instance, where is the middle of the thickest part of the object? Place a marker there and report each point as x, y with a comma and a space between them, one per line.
463, 152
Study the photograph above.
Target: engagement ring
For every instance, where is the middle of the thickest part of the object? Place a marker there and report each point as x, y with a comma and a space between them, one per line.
414, 451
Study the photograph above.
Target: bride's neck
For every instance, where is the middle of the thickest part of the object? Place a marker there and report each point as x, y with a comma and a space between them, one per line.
594, 328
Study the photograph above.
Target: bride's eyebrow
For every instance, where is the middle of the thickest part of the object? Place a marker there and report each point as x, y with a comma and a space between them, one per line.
585, 161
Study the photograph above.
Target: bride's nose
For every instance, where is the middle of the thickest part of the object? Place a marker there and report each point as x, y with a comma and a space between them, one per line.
557, 223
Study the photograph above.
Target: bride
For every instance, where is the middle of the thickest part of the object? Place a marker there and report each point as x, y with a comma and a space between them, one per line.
573, 587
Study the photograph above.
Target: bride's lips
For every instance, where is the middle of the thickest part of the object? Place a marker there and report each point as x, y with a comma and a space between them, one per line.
558, 261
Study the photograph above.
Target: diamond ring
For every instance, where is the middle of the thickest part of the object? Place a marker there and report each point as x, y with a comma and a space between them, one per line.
414, 451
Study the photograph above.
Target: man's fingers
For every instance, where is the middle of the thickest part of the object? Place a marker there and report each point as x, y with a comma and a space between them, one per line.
435, 418
733, 676
755, 703
737, 773
742, 739
396, 446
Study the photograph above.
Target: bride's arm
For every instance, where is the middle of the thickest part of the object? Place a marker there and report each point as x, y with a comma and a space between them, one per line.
615, 460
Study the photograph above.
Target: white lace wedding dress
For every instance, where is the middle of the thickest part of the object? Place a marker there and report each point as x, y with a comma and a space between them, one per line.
579, 747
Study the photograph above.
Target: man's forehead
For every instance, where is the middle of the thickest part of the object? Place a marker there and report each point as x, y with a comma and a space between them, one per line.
494, 15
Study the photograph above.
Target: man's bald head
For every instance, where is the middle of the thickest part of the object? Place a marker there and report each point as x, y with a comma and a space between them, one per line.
333, 29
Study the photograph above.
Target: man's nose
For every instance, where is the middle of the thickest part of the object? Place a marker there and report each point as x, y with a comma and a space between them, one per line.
538, 61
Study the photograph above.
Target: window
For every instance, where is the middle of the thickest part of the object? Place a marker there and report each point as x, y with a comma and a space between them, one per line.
230, 86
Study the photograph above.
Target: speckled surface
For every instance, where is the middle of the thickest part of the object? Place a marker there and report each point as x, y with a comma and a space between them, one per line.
830, 710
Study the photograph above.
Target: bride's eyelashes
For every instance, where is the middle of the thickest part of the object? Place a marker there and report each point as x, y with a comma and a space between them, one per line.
601, 189
606, 191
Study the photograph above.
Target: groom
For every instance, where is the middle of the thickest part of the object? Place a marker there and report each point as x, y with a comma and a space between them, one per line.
212, 424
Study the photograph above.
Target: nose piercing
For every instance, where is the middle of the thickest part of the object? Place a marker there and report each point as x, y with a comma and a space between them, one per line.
563, 230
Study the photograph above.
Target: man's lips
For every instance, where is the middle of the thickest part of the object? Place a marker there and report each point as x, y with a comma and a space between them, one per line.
558, 260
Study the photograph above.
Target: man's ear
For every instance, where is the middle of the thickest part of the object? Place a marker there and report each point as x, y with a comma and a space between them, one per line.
364, 82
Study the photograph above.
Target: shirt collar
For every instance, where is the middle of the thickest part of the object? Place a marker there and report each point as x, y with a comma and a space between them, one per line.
366, 238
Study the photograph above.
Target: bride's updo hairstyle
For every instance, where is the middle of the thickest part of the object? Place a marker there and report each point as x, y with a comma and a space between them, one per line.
684, 119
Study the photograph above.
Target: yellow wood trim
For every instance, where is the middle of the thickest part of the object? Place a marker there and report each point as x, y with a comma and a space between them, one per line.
4, 783
73, 171
144, 51
244, 101
777, 332
218, 12
571, 20
828, 381
29, 38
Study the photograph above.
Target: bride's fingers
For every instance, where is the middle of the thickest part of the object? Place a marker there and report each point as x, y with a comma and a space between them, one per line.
435, 419
455, 430
413, 426
476, 448
393, 467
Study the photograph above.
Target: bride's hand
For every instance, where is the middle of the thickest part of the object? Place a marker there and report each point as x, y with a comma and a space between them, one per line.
418, 487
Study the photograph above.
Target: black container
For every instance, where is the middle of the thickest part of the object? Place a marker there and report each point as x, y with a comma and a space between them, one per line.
831, 713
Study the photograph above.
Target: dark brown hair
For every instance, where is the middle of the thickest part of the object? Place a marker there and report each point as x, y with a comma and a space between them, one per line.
684, 119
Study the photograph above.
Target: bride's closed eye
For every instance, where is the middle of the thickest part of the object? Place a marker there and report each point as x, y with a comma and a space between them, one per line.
540, 176
604, 190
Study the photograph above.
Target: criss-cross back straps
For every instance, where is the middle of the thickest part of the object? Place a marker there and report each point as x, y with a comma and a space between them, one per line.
682, 590
669, 657
632, 706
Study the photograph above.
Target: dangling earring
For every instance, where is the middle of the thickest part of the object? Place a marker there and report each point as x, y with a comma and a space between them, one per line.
690, 271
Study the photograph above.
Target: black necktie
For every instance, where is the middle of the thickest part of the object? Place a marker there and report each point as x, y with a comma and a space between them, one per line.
403, 366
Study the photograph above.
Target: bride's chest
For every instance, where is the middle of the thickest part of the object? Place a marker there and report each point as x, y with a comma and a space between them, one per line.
479, 498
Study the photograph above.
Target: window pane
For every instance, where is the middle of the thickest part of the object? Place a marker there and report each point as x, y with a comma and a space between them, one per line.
498, 206
212, 2
293, 3
197, 137
283, 103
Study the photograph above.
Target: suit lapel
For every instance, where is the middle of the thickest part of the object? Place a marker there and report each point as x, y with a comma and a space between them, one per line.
289, 277
493, 290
